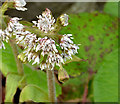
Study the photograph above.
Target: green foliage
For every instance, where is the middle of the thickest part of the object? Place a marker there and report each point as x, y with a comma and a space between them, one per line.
106, 80
98, 35
33, 93
12, 83
7, 61
39, 78
111, 8
36, 78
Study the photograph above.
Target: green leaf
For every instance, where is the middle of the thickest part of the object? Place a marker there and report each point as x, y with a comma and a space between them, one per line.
34, 77
98, 35
39, 79
111, 8
33, 93
7, 61
12, 83
74, 59
75, 87
106, 80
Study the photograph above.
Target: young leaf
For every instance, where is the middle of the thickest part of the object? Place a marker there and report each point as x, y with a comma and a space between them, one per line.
33, 93
74, 59
62, 75
7, 61
39, 78
12, 83
106, 80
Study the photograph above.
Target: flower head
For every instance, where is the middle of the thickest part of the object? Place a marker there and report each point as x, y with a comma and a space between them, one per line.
45, 51
68, 47
45, 21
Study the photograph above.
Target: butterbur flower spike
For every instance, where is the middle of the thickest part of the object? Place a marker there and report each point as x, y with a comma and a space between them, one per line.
41, 51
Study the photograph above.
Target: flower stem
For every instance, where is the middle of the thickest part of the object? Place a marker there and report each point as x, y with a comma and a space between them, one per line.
7, 4
51, 86
18, 62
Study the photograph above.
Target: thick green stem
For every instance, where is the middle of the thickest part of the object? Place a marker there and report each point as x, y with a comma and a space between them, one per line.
51, 86
18, 62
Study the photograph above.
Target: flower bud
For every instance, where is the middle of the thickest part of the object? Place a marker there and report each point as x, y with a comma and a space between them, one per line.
22, 57
64, 19
62, 75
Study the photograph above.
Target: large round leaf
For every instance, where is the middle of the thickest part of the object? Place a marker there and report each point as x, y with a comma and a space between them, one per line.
106, 80
98, 35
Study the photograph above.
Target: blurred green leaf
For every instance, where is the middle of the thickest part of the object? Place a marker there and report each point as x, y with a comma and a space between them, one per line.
39, 78
35, 77
111, 8
12, 83
106, 80
98, 35
33, 93
74, 87
7, 61
4, 19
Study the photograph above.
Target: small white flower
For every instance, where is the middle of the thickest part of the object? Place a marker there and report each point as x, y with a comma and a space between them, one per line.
19, 5
37, 60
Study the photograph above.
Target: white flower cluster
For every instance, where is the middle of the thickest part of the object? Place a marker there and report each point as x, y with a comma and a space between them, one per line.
68, 47
19, 5
13, 27
42, 51
1, 39
45, 21
44, 46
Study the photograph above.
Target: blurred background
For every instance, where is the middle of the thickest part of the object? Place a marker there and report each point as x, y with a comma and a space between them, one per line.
57, 8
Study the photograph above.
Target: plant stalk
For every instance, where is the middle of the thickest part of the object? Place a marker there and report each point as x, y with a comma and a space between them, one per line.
51, 86
18, 62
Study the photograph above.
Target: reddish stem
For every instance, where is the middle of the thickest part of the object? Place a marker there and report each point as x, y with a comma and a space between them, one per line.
85, 94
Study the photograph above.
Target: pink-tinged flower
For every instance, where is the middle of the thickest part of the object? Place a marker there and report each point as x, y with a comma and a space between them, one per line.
68, 47
44, 47
45, 21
